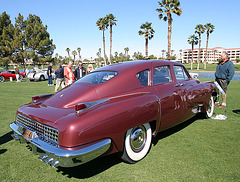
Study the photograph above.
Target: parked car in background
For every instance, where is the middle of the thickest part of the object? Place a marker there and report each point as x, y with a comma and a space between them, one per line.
39, 75
116, 108
194, 75
11, 73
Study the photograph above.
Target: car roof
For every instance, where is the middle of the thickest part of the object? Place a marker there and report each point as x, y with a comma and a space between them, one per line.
133, 65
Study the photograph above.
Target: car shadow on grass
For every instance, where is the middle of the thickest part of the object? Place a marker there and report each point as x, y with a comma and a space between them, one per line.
6, 138
91, 168
174, 129
101, 164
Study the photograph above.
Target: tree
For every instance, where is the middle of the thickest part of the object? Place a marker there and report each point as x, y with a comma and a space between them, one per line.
148, 34
199, 29
74, 53
193, 40
168, 7
19, 42
6, 39
112, 21
180, 51
172, 51
79, 50
38, 42
163, 51
209, 29
102, 24
68, 51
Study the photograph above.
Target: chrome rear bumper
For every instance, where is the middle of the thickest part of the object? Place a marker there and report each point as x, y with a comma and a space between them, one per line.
56, 156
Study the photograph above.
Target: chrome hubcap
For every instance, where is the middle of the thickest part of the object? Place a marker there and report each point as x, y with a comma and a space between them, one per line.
138, 138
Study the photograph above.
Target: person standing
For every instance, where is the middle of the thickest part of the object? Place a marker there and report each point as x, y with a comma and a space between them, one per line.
224, 74
80, 71
59, 77
68, 74
17, 74
49, 72
90, 68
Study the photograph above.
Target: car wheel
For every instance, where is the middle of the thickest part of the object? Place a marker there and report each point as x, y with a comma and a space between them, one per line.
137, 143
20, 77
41, 78
2, 78
210, 109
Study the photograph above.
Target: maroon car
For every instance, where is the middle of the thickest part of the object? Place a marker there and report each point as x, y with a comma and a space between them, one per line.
117, 108
10, 73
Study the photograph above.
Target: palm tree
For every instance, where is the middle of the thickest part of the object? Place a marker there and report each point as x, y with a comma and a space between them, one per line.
163, 51
209, 29
102, 24
168, 7
112, 21
126, 49
68, 51
180, 51
172, 51
193, 40
199, 29
148, 34
79, 50
74, 53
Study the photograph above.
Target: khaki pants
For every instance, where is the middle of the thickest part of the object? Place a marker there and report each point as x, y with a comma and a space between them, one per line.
59, 81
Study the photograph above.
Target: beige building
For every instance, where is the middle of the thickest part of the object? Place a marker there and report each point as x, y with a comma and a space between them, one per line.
213, 54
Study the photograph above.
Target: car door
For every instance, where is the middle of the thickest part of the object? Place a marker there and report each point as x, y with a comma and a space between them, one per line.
189, 89
170, 95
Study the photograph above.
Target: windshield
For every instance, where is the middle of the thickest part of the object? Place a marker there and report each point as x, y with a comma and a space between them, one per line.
98, 77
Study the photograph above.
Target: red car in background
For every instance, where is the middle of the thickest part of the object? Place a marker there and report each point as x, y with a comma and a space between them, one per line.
116, 108
11, 73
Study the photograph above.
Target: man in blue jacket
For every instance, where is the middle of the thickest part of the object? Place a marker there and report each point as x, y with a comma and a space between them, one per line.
224, 73
80, 71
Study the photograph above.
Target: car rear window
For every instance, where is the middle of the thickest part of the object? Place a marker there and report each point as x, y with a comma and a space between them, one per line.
143, 77
98, 77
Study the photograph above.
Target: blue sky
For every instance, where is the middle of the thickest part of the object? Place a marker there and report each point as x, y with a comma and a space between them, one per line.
72, 23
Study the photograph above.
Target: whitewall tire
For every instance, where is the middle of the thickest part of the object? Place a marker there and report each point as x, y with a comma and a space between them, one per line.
137, 143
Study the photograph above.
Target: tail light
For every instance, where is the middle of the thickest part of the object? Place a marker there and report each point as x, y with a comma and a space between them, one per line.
80, 107
87, 105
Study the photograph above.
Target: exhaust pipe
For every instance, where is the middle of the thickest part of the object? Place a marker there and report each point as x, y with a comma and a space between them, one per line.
43, 157
48, 160
54, 163
15, 136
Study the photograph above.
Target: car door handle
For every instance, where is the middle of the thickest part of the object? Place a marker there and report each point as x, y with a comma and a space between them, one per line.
182, 84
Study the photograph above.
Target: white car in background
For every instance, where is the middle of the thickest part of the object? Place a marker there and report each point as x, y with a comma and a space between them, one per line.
194, 75
39, 75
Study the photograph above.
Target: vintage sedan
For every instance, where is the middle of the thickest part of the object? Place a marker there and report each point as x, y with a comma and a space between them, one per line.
116, 108
11, 73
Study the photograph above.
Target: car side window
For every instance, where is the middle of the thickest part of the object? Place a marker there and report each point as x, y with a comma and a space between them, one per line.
180, 73
161, 74
143, 77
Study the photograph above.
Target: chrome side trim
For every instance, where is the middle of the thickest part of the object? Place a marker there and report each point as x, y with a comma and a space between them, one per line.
64, 158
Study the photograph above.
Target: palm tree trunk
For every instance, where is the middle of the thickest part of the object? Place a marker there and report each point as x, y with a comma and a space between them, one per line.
104, 52
110, 44
206, 54
192, 56
169, 34
199, 52
146, 45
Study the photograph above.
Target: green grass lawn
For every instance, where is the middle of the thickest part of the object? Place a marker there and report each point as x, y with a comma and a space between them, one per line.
197, 150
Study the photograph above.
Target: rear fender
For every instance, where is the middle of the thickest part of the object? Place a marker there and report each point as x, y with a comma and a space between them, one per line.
109, 120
